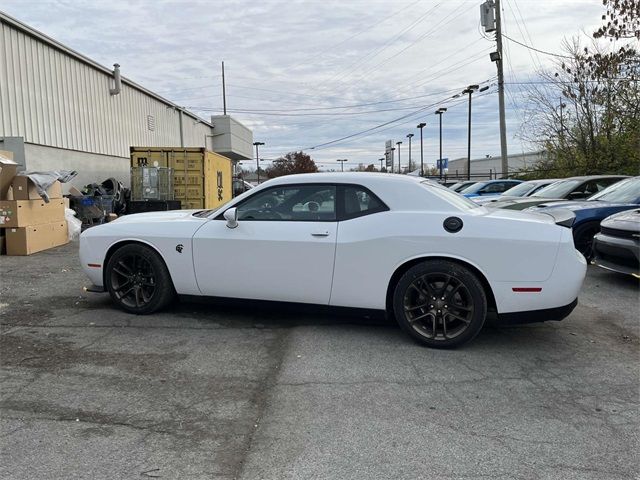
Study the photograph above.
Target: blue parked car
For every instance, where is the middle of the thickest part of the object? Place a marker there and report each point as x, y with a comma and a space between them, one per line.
488, 188
620, 196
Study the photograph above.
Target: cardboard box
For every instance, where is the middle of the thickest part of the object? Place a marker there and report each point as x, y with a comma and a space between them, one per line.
28, 240
25, 213
8, 170
25, 189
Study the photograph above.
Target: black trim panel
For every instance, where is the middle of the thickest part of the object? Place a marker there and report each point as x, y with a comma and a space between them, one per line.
533, 316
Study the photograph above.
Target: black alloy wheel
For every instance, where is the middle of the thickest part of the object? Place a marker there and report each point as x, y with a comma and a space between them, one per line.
440, 303
583, 238
138, 280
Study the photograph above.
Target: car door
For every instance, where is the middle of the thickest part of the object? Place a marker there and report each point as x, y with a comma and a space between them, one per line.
282, 249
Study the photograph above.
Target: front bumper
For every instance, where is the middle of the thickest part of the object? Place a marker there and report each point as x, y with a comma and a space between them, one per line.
620, 255
532, 316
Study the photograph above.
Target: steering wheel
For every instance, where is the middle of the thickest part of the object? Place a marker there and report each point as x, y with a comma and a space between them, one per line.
313, 206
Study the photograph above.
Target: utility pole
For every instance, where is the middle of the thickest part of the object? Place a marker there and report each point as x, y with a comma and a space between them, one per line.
421, 126
499, 62
409, 136
257, 144
399, 163
342, 160
224, 93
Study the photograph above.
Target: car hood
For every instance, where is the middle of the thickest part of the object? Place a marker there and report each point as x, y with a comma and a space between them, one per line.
493, 198
521, 203
155, 217
579, 205
627, 220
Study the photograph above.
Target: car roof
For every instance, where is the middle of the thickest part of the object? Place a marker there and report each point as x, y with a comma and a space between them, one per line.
362, 178
594, 177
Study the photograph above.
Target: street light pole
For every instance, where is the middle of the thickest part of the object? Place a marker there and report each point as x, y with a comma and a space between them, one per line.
439, 112
399, 163
469, 90
409, 136
342, 160
257, 144
421, 126
392, 149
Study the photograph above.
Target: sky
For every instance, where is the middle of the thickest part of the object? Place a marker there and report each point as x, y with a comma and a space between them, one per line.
304, 74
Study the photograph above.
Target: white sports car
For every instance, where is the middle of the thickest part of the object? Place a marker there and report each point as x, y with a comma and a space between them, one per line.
433, 259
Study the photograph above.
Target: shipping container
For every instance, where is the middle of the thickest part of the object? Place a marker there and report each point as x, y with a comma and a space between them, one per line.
201, 179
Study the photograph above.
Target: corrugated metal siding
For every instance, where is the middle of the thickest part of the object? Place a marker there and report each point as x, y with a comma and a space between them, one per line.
51, 98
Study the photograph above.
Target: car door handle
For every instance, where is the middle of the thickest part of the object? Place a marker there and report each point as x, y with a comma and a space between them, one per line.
320, 234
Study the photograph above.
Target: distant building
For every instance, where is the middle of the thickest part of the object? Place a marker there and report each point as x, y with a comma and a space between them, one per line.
492, 166
61, 110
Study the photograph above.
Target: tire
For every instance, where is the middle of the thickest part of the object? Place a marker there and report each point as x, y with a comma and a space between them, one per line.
418, 304
583, 238
137, 279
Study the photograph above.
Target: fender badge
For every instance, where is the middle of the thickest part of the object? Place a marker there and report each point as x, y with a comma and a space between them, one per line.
179, 248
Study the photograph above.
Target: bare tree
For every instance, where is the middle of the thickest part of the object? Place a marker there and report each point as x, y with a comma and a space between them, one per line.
586, 113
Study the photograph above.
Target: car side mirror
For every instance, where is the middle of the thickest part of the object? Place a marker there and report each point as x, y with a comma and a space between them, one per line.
231, 216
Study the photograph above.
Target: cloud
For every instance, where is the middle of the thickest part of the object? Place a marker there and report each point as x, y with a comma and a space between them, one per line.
290, 55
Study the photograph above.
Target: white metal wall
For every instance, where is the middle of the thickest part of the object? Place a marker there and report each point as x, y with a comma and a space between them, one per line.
51, 98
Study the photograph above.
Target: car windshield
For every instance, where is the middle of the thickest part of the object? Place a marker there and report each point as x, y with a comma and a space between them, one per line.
456, 187
454, 198
473, 188
558, 190
519, 190
627, 191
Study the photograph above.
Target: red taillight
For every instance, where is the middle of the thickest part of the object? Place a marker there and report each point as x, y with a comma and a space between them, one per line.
527, 289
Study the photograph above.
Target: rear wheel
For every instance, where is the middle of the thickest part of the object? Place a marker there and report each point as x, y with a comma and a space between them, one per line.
440, 303
138, 280
583, 238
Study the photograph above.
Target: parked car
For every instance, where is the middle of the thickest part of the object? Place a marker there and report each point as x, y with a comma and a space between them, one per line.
523, 189
489, 188
617, 246
619, 197
457, 187
416, 250
573, 188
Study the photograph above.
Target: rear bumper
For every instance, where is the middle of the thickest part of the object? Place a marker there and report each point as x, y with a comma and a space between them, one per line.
533, 316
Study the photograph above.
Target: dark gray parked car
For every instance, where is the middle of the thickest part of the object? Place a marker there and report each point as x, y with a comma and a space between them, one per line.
617, 246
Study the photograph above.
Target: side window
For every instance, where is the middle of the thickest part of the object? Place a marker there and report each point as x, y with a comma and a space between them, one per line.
605, 182
497, 187
291, 203
358, 201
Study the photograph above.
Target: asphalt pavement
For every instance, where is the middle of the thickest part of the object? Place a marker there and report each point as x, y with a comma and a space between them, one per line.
204, 391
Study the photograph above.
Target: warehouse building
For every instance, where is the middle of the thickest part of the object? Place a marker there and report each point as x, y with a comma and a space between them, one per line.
491, 167
61, 110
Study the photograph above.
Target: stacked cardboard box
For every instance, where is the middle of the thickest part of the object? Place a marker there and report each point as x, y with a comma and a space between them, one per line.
28, 223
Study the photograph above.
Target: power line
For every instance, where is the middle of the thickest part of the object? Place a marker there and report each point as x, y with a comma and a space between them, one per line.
347, 71
371, 129
535, 49
382, 102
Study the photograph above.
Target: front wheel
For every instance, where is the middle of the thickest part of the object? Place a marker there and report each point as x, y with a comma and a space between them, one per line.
440, 304
583, 238
138, 280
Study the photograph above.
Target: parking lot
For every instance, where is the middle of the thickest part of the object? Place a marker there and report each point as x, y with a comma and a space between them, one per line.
205, 391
